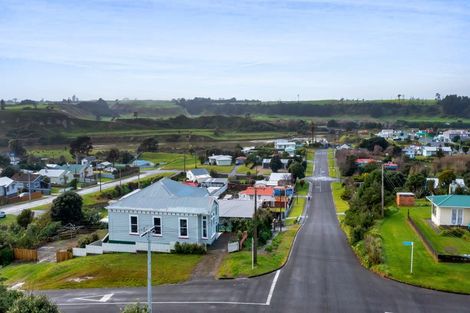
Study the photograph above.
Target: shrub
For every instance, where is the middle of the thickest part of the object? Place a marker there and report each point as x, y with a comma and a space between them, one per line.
32, 303
25, 218
67, 208
86, 240
6, 256
189, 248
454, 232
135, 308
373, 249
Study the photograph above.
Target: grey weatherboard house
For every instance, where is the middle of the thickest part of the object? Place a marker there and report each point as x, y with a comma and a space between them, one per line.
180, 213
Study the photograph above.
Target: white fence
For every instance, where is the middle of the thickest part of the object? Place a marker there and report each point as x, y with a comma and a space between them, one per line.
106, 247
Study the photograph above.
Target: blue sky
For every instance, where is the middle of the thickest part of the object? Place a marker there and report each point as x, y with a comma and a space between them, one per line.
270, 50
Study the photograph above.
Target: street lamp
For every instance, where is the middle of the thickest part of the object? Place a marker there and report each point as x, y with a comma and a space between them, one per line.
148, 233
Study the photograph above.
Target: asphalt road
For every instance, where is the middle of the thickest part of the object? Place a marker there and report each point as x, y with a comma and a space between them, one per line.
16, 209
322, 275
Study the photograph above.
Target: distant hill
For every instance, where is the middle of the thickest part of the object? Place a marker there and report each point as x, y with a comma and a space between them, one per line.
147, 108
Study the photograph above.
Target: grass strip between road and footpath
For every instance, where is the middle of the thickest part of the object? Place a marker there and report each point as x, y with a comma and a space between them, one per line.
394, 230
331, 163
238, 264
102, 271
310, 159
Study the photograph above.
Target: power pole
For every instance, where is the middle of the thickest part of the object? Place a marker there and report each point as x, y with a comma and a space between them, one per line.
255, 233
148, 233
100, 178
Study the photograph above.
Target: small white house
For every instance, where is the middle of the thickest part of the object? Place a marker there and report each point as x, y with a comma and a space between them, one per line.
450, 210
57, 177
221, 160
284, 145
432, 151
8, 187
197, 175
279, 179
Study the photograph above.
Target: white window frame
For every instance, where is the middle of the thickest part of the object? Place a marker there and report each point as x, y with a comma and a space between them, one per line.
206, 228
130, 224
161, 225
179, 227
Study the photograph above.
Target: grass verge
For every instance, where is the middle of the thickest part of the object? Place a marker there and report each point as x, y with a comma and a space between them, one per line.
107, 270
238, 264
331, 163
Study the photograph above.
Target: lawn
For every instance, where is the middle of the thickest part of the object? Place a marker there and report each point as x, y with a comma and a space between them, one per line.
310, 158
331, 163
176, 161
54, 153
238, 264
426, 272
9, 219
442, 244
296, 211
341, 205
103, 271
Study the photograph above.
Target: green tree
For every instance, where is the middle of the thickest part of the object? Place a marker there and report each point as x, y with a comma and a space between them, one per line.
135, 308
16, 147
9, 171
4, 161
25, 218
416, 183
67, 208
82, 145
297, 170
148, 145
33, 304
445, 178
7, 297
112, 155
2, 104
370, 143
275, 164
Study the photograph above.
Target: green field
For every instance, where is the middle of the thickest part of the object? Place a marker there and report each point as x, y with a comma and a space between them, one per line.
426, 272
238, 264
442, 244
178, 161
102, 271
54, 153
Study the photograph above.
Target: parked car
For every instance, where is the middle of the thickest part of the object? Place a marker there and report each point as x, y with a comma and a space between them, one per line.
3, 214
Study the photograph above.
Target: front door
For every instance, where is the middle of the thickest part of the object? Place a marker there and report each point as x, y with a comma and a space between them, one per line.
457, 216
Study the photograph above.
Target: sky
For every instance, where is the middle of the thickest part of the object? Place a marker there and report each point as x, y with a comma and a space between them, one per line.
268, 50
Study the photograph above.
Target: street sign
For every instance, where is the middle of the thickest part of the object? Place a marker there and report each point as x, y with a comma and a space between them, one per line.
410, 243
407, 243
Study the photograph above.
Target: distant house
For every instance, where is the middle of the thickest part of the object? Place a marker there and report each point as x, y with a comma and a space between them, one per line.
197, 174
344, 147
266, 163
103, 165
386, 133
283, 144
57, 177
221, 160
142, 163
450, 210
81, 172
279, 179
236, 208
412, 151
391, 166
263, 194
8, 187
240, 160
32, 182
432, 151
451, 134
180, 213
215, 186
405, 199
248, 150
88, 160
364, 162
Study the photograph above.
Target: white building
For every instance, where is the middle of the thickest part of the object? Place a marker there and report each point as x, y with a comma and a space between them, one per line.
221, 160
197, 175
8, 187
432, 151
386, 133
57, 177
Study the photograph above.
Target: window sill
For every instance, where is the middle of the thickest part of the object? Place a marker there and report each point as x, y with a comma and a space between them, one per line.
183, 237
134, 234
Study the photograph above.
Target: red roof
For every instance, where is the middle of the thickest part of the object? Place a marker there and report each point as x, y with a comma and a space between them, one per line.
260, 191
190, 183
365, 160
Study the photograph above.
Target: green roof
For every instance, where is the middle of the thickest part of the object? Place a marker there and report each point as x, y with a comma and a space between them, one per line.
450, 201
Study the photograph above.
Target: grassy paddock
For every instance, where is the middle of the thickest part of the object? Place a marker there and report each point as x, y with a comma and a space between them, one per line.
177, 161
238, 264
107, 270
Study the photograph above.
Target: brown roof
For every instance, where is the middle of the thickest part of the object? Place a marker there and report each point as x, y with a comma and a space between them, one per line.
23, 177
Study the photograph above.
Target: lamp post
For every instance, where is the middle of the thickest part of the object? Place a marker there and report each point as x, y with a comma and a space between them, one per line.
148, 233
255, 232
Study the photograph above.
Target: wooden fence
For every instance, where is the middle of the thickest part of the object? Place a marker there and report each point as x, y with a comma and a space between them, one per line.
26, 254
63, 255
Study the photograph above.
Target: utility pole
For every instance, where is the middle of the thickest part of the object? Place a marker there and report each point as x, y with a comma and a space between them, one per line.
99, 173
29, 184
138, 177
255, 232
148, 233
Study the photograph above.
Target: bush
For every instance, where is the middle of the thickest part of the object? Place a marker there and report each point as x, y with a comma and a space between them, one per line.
67, 208
86, 240
373, 249
33, 304
6, 256
135, 308
454, 232
25, 218
189, 248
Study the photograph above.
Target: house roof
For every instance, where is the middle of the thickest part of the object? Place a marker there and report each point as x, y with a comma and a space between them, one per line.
24, 177
365, 160
74, 168
51, 173
5, 181
199, 172
260, 191
280, 176
450, 201
237, 208
167, 195
221, 157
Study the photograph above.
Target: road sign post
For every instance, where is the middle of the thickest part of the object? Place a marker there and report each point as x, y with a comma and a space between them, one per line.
410, 243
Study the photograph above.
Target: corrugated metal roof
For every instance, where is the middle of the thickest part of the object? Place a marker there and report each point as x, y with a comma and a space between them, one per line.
5, 181
199, 171
167, 195
451, 201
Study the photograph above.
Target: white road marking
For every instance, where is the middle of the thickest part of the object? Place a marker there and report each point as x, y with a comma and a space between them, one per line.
273, 285
103, 299
164, 302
